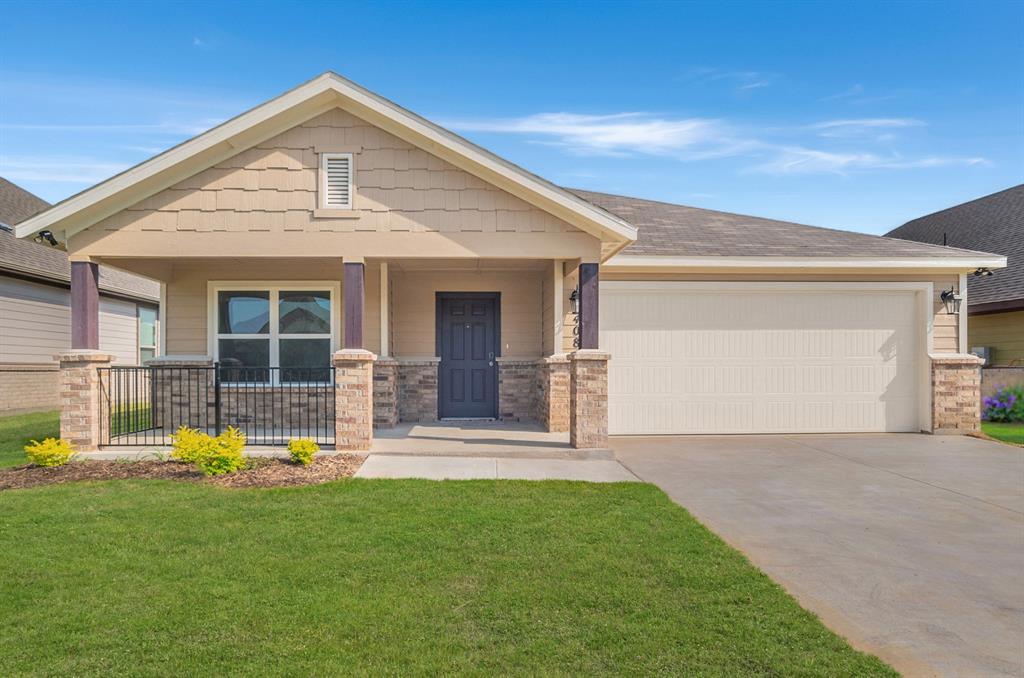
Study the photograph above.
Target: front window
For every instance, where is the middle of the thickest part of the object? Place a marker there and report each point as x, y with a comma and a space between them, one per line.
147, 333
275, 334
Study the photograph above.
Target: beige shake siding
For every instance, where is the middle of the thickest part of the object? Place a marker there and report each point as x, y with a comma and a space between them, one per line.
273, 188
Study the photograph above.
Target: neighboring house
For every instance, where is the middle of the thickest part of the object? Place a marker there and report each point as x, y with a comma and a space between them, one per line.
35, 317
449, 278
995, 304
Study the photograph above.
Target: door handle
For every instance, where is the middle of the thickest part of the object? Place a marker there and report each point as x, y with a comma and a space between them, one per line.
490, 359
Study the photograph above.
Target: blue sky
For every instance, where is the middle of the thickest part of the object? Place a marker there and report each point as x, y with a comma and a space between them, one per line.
853, 115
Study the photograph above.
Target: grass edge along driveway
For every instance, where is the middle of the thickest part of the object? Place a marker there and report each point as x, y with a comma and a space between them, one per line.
386, 576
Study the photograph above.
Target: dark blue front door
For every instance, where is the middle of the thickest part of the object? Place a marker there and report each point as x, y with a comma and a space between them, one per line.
468, 340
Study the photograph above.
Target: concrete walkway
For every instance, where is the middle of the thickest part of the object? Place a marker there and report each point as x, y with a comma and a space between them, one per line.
469, 468
911, 546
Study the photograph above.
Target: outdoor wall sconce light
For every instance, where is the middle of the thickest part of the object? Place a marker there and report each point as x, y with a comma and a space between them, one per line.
952, 300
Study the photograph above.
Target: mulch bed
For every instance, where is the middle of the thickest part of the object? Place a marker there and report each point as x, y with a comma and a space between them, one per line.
261, 472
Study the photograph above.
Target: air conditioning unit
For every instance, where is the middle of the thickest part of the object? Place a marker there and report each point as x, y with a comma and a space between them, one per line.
983, 352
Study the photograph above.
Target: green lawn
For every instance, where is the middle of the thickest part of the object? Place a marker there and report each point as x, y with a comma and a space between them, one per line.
16, 431
398, 577
392, 577
1008, 433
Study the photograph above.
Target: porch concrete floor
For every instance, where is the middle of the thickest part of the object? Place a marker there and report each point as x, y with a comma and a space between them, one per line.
478, 439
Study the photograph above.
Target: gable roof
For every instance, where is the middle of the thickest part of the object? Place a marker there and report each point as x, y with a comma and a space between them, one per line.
320, 94
29, 259
994, 223
681, 232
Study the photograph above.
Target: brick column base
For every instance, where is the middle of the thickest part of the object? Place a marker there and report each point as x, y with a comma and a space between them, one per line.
956, 393
588, 399
385, 393
353, 399
84, 415
553, 393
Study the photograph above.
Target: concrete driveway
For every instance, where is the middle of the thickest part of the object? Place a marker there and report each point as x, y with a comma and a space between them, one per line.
911, 546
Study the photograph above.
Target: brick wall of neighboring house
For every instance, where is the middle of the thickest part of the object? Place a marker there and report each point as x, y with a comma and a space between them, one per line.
29, 387
517, 389
956, 393
417, 390
995, 378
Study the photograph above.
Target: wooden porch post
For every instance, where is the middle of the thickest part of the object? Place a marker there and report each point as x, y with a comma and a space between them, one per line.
355, 292
588, 305
85, 305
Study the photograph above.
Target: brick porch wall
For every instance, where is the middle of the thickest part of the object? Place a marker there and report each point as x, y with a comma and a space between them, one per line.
517, 389
956, 393
588, 399
82, 398
29, 387
385, 393
353, 393
551, 402
417, 390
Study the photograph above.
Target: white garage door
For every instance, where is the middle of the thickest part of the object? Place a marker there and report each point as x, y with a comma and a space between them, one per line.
723, 358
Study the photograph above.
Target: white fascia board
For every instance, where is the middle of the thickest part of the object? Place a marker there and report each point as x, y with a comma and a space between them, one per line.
238, 133
632, 262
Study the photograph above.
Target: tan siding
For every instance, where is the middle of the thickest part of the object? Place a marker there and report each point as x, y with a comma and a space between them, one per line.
1002, 331
36, 321
547, 311
273, 187
119, 330
413, 308
946, 326
187, 295
36, 324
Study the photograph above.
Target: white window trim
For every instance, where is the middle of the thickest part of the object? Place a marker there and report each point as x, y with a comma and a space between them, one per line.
324, 157
274, 288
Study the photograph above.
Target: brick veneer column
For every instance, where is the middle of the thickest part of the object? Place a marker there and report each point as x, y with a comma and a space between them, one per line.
83, 401
385, 393
353, 399
588, 399
553, 393
956, 393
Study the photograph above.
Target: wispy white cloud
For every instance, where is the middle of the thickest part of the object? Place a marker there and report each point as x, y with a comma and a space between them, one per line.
798, 160
853, 91
691, 139
168, 128
616, 134
741, 80
56, 168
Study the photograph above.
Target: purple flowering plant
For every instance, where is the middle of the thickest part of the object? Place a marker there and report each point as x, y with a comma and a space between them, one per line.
1007, 405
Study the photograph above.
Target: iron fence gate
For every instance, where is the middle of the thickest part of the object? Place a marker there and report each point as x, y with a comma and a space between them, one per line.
270, 405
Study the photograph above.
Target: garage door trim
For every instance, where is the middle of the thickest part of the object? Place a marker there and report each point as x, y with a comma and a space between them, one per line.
923, 293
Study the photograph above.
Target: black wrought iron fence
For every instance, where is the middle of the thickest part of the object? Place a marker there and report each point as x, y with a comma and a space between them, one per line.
146, 405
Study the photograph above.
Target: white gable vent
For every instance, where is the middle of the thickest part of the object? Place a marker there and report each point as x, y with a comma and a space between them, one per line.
336, 178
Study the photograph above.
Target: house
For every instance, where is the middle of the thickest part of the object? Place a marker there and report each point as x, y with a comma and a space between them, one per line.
35, 310
437, 280
995, 303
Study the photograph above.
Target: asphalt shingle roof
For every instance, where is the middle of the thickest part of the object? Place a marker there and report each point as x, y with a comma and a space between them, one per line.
994, 223
28, 258
666, 229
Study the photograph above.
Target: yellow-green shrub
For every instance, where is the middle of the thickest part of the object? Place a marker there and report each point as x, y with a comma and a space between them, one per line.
302, 450
212, 456
50, 452
190, 445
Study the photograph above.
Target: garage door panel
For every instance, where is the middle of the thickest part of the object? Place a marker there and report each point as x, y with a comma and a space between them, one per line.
748, 361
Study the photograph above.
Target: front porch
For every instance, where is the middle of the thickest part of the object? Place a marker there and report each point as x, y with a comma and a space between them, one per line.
394, 356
